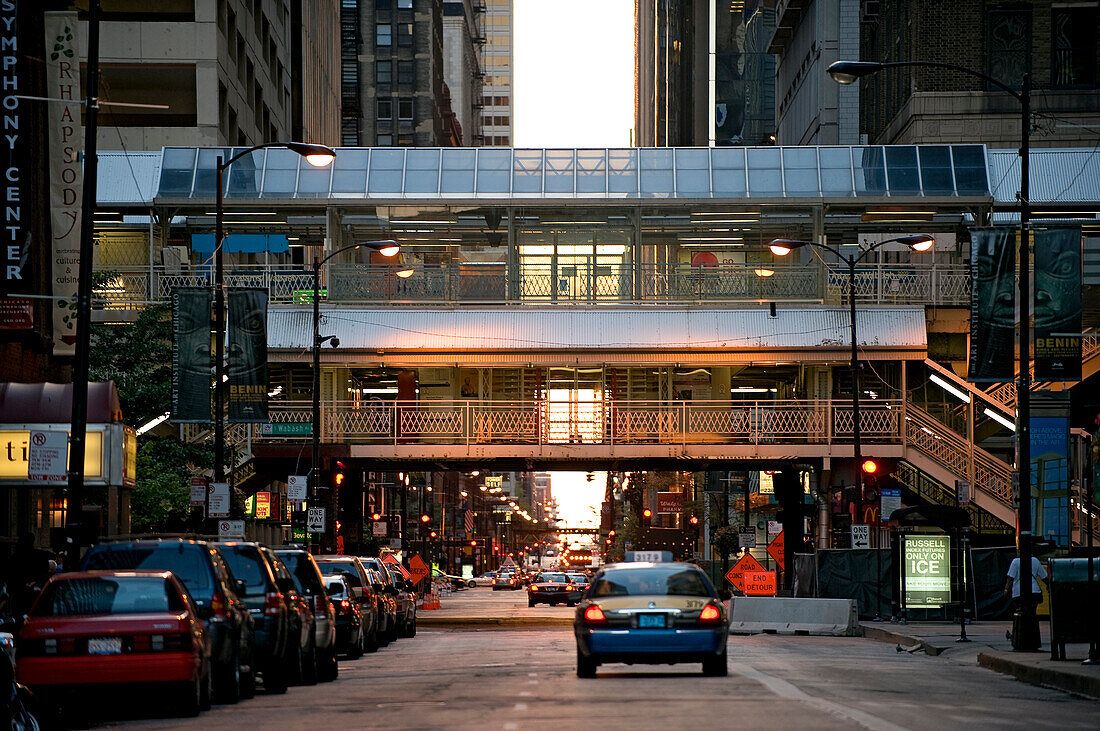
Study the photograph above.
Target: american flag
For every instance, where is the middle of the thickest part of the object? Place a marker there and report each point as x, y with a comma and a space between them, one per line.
469, 521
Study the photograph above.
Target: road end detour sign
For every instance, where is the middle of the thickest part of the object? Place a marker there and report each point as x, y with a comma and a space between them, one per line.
418, 569
759, 583
736, 574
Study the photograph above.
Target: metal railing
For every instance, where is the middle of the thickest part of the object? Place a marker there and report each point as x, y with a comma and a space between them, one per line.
608, 422
134, 287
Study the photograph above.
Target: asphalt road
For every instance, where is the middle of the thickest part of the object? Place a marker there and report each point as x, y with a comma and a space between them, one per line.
524, 678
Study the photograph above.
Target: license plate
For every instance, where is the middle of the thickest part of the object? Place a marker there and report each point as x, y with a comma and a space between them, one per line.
651, 620
104, 646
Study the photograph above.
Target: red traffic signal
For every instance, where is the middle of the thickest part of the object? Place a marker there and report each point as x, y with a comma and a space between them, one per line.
434, 534
647, 513
694, 520
869, 466
425, 518
376, 516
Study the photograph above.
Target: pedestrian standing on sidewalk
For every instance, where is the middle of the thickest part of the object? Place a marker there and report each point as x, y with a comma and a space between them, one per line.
1012, 584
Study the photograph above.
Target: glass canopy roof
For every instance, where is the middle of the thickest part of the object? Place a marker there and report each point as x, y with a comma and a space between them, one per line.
644, 173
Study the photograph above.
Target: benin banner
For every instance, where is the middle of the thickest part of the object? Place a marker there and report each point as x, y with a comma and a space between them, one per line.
191, 354
1058, 304
247, 355
992, 304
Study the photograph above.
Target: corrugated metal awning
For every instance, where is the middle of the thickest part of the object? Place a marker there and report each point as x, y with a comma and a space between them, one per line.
597, 334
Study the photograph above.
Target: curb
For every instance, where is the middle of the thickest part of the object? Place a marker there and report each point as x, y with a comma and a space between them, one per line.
494, 622
885, 635
1078, 683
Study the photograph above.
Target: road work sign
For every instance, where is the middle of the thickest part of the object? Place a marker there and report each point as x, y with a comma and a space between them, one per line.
736, 574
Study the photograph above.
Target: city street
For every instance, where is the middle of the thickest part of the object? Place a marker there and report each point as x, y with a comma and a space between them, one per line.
515, 678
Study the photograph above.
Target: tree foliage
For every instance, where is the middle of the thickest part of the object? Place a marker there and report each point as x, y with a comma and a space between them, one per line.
137, 356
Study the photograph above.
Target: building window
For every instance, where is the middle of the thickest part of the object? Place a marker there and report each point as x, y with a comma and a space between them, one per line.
383, 35
383, 6
1073, 47
405, 72
404, 4
404, 108
349, 73
385, 109
383, 72
405, 140
404, 34
1008, 45
384, 140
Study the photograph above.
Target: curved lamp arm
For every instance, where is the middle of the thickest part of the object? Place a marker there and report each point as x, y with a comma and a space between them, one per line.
305, 149
379, 246
847, 72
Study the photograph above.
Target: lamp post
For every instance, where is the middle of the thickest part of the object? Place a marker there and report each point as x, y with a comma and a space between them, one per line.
848, 72
385, 248
316, 155
782, 247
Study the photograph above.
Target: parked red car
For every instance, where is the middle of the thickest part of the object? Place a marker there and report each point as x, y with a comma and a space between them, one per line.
93, 629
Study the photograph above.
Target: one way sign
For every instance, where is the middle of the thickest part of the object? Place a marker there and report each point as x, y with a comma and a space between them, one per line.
861, 535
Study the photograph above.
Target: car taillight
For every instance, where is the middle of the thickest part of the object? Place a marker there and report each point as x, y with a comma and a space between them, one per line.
273, 603
345, 606
534, 588
594, 614
710, 613
219, 605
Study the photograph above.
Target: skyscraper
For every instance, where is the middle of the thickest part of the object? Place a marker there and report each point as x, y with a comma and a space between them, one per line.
497, 65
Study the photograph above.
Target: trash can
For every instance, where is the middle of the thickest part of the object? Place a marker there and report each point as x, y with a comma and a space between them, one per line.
1074, 605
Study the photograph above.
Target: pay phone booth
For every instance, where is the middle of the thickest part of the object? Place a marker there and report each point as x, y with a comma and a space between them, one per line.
931, 553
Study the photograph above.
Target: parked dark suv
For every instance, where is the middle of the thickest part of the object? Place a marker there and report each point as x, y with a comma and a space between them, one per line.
302, 647
215, 591
406, 601
307, 577
272, 615
362, 594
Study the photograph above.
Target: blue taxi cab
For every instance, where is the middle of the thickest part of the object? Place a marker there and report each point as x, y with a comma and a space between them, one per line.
652, 613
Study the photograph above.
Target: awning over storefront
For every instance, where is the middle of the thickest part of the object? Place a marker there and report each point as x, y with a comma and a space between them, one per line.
53, 403
627, 335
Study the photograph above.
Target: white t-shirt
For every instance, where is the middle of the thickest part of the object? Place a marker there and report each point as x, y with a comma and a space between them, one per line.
1037, 572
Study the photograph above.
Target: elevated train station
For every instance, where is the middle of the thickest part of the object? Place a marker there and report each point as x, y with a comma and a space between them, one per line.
615, 309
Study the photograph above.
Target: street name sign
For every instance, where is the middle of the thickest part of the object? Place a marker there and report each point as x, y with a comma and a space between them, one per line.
746, 536
861, 535
736, 574
287, 429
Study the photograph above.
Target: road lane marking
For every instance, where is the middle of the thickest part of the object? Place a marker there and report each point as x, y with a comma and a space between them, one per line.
511, 726
525, 692
784, 689
519, 707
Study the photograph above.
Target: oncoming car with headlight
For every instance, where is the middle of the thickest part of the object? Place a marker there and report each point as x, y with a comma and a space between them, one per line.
652, 613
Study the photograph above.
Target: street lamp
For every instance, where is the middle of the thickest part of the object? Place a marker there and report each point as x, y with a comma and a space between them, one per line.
316, 155
782, 247
847, 72
385, 248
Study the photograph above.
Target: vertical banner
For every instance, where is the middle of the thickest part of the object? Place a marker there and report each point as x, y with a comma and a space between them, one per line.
247, 355
1049, 439
191, 378
992, 304
65, 135
1057, 304
16, 314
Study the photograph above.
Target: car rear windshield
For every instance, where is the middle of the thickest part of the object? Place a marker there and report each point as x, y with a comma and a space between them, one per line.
248, 566
657, 581
560, 578
376, 564
347, 569
188, 561
108, 595
305, 572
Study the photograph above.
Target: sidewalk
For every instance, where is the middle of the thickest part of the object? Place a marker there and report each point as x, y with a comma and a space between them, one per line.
993, 650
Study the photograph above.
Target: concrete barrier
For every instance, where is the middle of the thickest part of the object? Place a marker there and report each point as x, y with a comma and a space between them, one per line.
800, 616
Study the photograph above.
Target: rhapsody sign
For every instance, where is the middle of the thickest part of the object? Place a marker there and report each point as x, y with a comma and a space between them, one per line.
65, 136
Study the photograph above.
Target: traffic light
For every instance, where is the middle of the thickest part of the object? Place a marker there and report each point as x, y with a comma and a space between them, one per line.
338, 474
869, 467
647, 513
425, 518
433, 534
